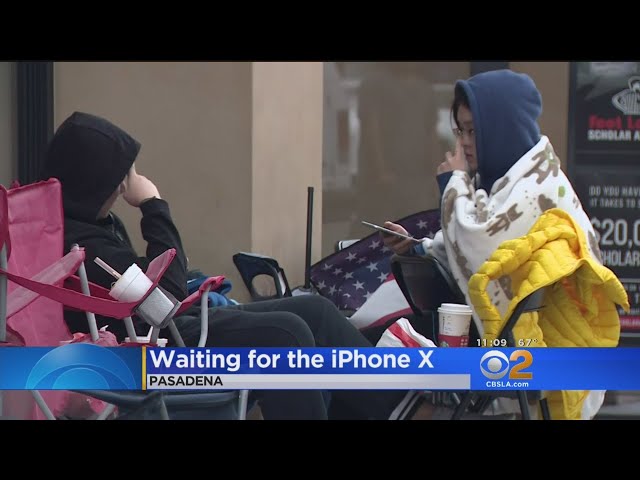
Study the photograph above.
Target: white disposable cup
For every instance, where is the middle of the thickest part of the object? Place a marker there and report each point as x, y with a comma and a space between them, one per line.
157, 308
131, 286
454, 323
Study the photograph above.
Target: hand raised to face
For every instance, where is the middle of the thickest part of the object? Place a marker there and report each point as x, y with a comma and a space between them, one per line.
138, 188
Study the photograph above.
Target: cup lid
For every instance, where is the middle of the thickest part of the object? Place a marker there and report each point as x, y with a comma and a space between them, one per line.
455, 308
127, 278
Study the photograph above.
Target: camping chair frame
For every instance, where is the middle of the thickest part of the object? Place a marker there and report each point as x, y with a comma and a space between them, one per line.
252, 265
159, 399
426, 284
128, 399
531, 303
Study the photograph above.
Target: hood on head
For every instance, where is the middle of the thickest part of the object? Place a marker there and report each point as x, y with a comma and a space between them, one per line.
90, 156
505, 106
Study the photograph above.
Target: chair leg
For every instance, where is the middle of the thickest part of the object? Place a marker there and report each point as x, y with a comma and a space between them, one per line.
164, 413
481, 405
42, 404
243, 402
462, 407
108, 410
524, 405
131, 330
544, 406
175, 333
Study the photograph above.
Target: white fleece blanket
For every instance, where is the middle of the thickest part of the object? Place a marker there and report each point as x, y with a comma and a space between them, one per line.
474, 223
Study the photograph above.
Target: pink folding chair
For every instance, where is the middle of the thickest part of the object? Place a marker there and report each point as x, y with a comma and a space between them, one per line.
37, 281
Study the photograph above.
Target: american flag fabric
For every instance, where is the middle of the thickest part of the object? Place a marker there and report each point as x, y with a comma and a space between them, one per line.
350, 277
387, 303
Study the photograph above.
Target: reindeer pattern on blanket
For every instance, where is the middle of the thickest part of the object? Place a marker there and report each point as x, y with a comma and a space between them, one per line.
474, 223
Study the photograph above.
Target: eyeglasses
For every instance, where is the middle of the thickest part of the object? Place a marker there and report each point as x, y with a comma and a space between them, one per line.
459, 132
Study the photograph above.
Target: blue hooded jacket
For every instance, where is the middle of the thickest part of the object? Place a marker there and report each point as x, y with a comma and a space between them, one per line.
505, 106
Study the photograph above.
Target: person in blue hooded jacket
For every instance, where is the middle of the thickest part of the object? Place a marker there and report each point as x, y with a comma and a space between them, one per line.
503, 175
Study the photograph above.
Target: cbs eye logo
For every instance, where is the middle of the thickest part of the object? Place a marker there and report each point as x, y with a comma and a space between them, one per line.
494, 365
80, 366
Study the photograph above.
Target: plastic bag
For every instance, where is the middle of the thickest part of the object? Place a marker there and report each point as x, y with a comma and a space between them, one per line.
402, 334
78, 405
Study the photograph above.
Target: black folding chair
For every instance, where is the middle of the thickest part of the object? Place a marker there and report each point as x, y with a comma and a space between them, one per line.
531, 303
426, 284
254, 267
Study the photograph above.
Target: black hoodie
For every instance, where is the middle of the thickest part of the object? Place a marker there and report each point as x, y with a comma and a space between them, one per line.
91, 156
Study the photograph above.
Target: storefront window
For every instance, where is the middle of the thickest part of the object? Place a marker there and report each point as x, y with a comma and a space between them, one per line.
386, 129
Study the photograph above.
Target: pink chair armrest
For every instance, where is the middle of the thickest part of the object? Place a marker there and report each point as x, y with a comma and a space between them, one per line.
213, 282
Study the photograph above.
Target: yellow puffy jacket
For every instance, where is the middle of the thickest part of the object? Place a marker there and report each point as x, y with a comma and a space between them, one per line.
579, 307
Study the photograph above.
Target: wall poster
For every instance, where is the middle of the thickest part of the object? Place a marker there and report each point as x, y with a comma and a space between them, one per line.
604, 154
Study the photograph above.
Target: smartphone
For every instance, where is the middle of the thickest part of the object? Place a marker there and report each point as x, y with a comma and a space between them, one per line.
386, 231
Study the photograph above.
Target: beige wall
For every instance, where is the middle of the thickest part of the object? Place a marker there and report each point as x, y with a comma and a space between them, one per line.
231, 146
552, 79
194, 122
8, 139
287, 158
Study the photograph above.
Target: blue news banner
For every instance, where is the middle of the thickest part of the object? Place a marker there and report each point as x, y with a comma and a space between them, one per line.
90, 367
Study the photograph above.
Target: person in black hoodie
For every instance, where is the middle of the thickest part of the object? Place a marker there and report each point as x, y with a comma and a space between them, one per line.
94, 161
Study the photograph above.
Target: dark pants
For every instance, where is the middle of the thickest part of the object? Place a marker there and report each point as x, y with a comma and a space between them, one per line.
304, 321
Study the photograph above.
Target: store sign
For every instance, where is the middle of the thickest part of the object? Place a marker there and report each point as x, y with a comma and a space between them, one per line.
607, 106
606, 166
612, 201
